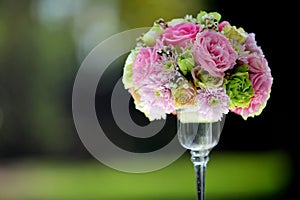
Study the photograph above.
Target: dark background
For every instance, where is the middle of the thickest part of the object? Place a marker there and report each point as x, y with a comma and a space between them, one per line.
272, 22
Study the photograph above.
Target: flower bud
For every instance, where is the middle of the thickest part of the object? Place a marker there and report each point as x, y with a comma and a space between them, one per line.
127, 73
150, 37
186, 62
236, 34
203, 79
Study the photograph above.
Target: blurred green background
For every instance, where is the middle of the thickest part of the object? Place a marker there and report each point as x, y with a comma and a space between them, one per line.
43, 43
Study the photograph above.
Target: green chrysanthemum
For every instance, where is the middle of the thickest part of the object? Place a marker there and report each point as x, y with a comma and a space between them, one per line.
239, 88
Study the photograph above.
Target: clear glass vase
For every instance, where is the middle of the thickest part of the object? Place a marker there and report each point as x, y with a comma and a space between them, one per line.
199, 137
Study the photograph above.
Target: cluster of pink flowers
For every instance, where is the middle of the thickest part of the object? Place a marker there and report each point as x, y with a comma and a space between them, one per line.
201, 63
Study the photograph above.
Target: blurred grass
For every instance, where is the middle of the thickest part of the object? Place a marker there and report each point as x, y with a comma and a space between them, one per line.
261, 175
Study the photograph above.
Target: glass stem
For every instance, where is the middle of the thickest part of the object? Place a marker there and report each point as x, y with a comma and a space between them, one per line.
200, 160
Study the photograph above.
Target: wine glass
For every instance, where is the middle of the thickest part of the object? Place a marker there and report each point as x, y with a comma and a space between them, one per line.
199, 137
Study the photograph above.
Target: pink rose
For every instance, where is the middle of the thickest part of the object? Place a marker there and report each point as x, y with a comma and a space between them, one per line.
262, 80
251, 44
213, 52
144, 65
260, 77
181, 34
262, 83
257, 63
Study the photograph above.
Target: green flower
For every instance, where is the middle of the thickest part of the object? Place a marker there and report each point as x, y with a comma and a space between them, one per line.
203, 16
209, 20
150, 37
204, 79
239, 88
186, 62
237, 34
127, 73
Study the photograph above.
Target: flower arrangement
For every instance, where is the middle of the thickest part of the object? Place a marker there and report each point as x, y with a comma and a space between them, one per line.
201, 63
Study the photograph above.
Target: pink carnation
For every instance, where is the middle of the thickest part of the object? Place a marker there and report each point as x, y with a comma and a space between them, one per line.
181, 34
213, 52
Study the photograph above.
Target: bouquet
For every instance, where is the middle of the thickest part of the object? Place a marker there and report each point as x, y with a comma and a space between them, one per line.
199, 63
